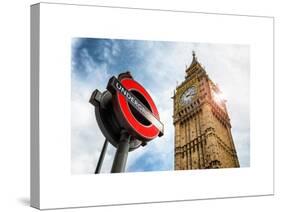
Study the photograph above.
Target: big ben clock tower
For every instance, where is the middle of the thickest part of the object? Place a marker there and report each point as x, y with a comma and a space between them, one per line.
203, 138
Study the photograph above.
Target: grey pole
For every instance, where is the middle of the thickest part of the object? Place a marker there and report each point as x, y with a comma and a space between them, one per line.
121, 154
102, 154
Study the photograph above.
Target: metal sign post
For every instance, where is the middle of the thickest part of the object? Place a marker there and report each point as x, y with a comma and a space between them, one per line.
121, 154
101, 158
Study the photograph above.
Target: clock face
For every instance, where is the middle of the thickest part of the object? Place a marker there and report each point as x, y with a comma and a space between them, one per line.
188, 95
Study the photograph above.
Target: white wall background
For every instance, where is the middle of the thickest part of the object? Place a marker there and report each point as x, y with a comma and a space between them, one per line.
14, 109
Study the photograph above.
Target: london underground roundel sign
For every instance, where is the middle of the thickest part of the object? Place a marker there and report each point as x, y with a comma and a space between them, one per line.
134, 108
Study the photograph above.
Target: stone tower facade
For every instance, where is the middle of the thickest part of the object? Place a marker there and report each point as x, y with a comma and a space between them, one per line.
203, 138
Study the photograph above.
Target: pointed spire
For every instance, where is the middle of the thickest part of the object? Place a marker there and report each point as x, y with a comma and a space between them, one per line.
194, 57
193, 53
194, 65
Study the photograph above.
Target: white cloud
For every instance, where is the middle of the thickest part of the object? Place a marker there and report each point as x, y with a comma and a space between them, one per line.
86, 138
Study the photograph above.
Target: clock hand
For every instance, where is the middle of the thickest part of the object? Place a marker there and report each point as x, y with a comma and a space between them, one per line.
186, 96
190, 94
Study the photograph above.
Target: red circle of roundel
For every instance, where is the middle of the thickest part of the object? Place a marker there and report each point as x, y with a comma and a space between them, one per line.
148, 132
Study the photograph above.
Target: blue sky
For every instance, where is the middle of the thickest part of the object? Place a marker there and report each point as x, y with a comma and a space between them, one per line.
158, 66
